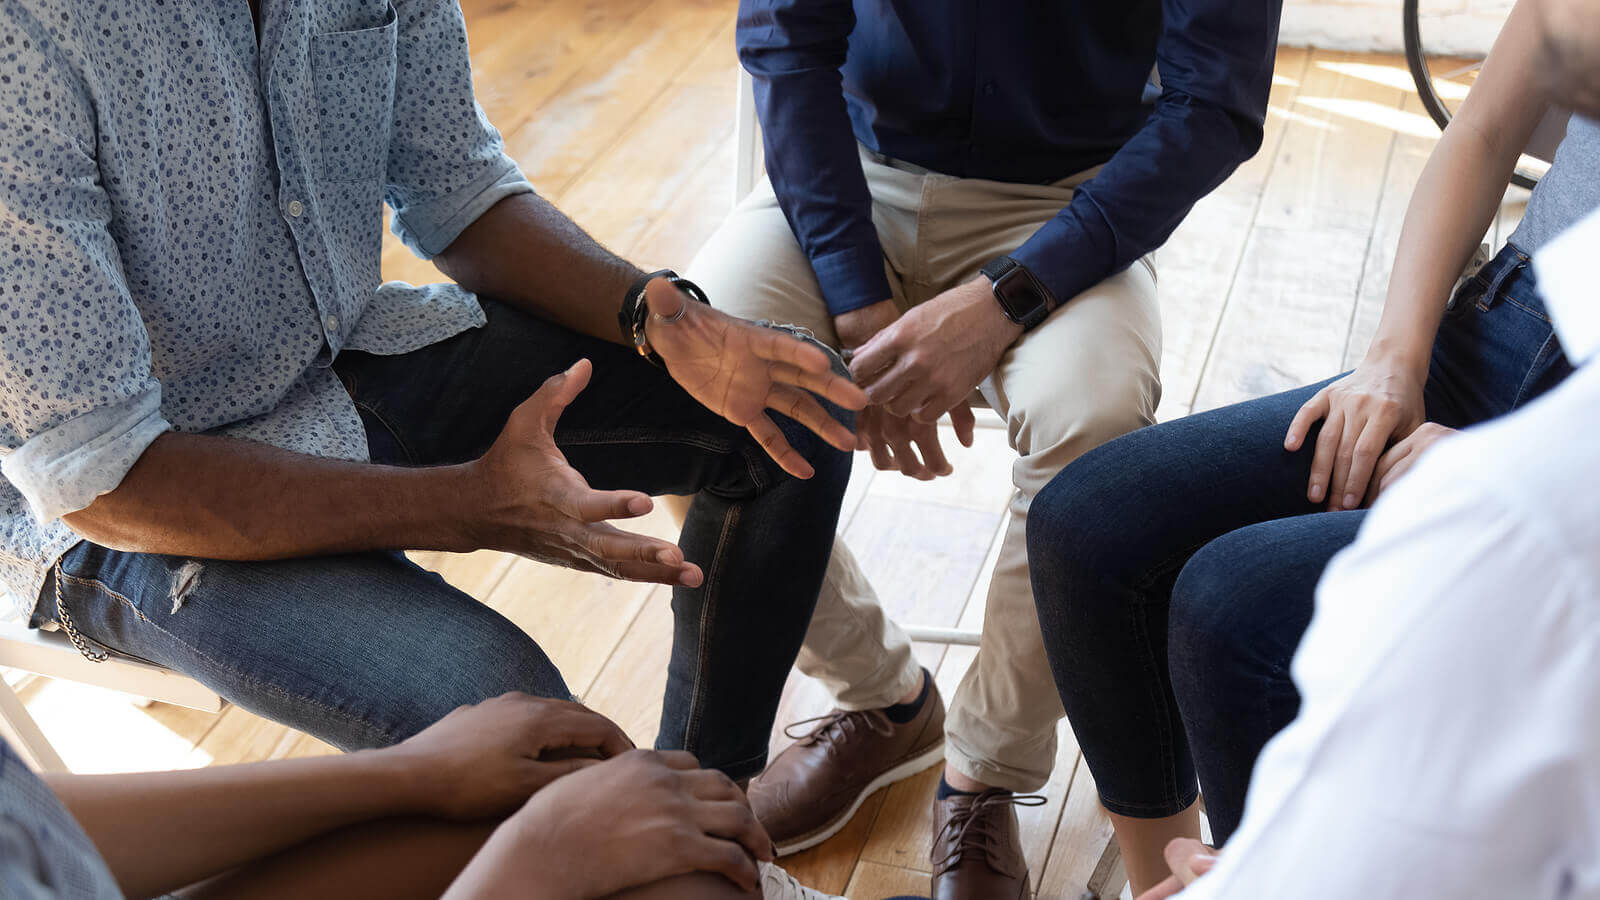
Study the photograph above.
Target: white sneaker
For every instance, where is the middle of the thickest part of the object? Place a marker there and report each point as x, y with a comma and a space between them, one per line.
776, 884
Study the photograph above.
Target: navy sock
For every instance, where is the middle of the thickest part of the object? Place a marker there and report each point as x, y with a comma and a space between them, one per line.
946, 791
901, 713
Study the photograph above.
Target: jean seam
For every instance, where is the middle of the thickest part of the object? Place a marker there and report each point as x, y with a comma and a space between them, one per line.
1166, 741
708, 606
1539, 359
259, 683
1543, 317
393, 432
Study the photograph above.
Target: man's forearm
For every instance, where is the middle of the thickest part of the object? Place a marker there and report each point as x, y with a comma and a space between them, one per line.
218, 498
160, 831
526, 252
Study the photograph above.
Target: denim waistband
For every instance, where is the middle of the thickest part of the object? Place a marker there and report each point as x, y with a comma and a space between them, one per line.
1507, 276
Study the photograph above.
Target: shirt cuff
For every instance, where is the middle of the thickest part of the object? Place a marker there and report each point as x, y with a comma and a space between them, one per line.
431, 227
851, 278
64, 469
1069, 254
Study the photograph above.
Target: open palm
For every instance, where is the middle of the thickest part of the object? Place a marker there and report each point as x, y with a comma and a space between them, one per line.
740, 370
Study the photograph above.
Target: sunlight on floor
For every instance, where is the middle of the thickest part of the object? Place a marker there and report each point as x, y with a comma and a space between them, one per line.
1413, 124
1395, 77
98, 731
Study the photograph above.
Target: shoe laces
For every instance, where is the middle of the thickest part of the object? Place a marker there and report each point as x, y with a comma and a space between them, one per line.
776, 884
839, 726
974, 828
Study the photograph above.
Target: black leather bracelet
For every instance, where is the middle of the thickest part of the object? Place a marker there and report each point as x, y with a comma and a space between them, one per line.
636, 312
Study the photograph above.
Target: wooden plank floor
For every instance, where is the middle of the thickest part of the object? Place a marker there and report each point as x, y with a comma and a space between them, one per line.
621, 111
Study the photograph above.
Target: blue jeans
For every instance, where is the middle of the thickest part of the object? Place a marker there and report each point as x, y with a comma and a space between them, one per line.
367, 649
1174, 568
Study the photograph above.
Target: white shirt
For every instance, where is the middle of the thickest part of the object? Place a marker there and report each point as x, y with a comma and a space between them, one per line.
1448, 745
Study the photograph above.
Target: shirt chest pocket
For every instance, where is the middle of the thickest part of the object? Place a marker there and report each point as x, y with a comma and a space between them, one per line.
353, 73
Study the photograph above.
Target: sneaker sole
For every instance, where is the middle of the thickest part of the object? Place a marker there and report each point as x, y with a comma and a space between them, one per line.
921, 762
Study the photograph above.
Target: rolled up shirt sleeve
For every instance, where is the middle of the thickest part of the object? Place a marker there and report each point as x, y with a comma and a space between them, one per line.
78, 401
447, 165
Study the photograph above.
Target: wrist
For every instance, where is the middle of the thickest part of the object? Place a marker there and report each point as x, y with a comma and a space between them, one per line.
1399, 357
459, 504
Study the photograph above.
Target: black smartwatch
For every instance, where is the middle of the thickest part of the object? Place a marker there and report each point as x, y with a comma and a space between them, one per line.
1022, 297
635, 312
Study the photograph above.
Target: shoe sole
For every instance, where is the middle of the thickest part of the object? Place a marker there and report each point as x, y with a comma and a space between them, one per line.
921, 762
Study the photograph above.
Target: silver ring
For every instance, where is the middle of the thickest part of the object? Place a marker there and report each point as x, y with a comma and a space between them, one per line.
675, 316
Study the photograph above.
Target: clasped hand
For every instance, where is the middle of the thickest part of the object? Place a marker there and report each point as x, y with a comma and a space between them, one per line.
919, 366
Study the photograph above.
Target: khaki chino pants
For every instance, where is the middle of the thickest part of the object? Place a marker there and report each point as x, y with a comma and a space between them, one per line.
1089, 373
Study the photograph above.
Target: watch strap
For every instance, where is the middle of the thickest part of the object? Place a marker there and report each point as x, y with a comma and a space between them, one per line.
635, 311
1005, 268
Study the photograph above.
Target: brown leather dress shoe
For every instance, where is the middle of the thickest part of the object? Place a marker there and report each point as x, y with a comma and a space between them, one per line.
977, 847
812, 789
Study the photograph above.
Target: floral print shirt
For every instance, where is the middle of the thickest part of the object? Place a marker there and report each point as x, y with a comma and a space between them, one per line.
190, 229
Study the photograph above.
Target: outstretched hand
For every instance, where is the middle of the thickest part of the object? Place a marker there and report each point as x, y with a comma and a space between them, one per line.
536, 505
740, 370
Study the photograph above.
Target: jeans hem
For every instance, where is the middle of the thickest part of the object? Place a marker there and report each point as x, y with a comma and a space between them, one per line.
1163, 810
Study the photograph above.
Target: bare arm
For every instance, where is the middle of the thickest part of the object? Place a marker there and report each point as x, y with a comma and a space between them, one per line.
527, 252
162, 830
1364, 414
159, 831
195, 495
1459, 190
217, 498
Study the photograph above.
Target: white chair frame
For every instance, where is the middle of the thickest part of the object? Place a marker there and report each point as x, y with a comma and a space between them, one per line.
51, 654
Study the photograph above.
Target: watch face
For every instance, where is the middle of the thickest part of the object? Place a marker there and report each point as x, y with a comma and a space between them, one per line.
1018, 296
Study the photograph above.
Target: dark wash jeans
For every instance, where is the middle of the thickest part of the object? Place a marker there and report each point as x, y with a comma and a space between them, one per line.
1175, 567
367, 649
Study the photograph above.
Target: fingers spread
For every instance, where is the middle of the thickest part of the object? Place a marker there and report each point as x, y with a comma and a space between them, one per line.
558, 391
598, 506
804, 408
771, 439
781, 347
828, 384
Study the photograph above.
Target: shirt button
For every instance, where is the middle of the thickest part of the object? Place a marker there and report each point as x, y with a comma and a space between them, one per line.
296, 208
332, 323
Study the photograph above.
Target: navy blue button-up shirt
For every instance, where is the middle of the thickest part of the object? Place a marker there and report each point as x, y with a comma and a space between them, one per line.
1010, 91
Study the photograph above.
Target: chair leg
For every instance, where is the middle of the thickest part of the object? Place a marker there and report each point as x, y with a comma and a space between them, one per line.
1109, 876
19, 728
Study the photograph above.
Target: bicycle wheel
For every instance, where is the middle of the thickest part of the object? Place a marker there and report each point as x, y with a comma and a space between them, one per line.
1445, 45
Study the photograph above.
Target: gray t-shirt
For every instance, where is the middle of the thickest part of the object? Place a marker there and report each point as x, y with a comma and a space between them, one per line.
1568, 192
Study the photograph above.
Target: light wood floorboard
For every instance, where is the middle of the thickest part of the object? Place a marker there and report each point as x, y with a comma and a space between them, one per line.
621, 111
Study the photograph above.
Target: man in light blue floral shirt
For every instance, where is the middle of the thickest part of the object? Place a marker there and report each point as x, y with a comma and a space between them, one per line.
219, 429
